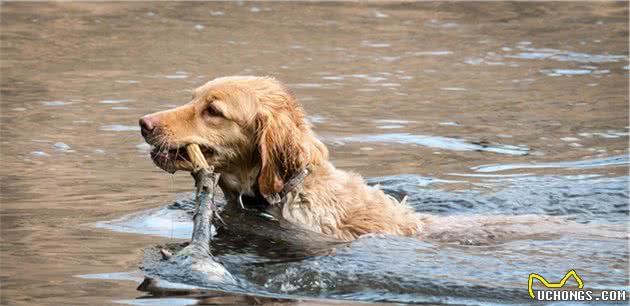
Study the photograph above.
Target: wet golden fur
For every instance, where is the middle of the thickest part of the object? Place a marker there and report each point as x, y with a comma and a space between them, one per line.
255, 134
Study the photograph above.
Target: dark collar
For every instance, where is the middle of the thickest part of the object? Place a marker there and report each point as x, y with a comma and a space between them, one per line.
270, 206
290, 186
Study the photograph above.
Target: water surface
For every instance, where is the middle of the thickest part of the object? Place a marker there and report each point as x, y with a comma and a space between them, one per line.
511, 116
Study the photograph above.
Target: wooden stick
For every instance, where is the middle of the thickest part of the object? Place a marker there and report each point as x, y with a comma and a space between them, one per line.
195, 260
205, 181
196, 157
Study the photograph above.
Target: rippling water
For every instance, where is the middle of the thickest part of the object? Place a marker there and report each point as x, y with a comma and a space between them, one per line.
505, 123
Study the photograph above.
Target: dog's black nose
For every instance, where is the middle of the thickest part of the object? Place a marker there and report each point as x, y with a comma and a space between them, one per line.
147, 125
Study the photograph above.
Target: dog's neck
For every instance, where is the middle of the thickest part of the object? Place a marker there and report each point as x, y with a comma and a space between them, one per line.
241, 185
290, 190
239, 182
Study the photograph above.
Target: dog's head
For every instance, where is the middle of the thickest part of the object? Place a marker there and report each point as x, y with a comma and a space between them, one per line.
242, 124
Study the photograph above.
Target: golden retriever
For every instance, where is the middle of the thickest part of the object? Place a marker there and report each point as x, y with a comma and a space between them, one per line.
254, 132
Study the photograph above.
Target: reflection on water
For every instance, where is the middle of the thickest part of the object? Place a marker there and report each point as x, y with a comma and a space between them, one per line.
517, 110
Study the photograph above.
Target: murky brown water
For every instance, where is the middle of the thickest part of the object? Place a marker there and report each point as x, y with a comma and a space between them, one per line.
437, 90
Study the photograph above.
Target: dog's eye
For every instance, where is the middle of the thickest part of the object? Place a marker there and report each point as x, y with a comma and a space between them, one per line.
212, 111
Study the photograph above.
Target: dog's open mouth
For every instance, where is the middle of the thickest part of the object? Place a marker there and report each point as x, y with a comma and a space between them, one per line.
171, 160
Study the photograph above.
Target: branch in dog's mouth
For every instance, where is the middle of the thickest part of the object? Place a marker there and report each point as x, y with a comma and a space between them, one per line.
171, 160
195, 260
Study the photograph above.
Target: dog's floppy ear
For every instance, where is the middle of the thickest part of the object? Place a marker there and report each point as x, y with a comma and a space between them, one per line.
280, 145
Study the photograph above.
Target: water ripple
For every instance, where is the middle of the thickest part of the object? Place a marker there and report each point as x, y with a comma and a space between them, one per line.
613, 161
436, 142
566, 56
